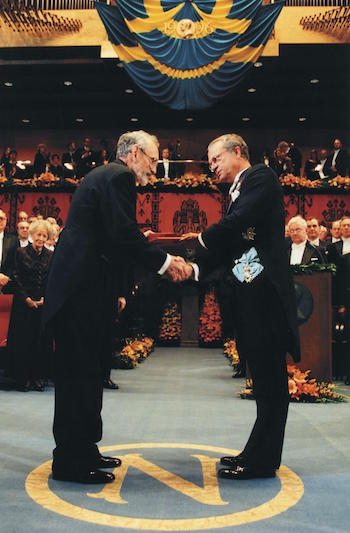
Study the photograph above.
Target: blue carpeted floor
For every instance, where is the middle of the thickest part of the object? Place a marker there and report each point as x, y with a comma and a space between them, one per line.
186, 400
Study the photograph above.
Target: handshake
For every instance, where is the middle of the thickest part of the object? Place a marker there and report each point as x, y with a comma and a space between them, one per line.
178, 270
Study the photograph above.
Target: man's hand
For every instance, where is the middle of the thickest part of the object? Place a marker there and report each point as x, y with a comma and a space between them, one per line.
178, 270
3, 280
40, 302
121, 304
187, 236
32, 303
148, 232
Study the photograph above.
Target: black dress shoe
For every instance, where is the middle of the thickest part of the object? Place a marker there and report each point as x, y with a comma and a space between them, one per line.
245, 472
232, 461
37, 386
107, 462
109, 384
92, 477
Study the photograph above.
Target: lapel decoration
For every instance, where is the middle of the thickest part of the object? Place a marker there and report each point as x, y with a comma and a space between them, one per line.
250, 234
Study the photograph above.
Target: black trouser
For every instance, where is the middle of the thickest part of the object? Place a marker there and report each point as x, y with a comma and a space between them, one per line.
82, 332
261, 338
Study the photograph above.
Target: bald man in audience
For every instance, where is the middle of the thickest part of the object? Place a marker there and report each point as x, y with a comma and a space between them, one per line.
23, 233
300, 251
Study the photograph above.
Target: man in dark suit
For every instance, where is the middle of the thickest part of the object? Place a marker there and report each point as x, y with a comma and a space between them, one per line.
313, 235
8, 247
100, 233
339, 159
339, 254
249, 240
85, 158
299, 249
165, 168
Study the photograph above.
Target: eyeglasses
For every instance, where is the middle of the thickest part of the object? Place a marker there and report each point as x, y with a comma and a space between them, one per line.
214, 161
152, 160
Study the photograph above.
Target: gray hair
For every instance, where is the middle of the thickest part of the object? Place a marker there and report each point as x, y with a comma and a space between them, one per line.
130, 138
230, 141
298, 218
41, 224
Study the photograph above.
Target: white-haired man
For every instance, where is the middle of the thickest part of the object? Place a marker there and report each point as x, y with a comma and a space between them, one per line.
300, 250
100, 234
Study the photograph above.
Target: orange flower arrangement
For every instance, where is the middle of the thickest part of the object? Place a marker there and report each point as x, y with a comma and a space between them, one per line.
302, 388
170, 327
230, 350
73, 181
136, 350
340, 182
47, 179
295, 182
210, 322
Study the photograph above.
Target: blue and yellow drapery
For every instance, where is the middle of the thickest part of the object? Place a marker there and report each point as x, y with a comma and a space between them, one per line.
188, 54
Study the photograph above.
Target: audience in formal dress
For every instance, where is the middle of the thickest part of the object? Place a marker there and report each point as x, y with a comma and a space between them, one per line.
41, 160
313, 235
299, 250
165, 168
55, 167
23, 233
335, 231
28, 350
339, 159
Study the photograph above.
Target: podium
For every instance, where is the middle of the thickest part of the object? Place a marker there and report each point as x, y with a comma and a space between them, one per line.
314, 302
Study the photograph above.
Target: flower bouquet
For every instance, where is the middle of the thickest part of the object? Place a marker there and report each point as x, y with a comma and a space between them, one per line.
170, 327
47, 179
210, 321
340, 182
298, 183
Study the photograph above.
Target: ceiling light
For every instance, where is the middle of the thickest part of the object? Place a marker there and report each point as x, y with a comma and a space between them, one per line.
67, 83
25, 120
134, 119
302, 119
8, 83
129, 91
189, 119
258, 64
79, 119
246, 119
251, 90
314, 80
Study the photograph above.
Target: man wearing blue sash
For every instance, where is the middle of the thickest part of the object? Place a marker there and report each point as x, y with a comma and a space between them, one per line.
249, 241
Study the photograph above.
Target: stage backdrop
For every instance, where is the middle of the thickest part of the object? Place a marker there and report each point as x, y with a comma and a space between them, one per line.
174, 211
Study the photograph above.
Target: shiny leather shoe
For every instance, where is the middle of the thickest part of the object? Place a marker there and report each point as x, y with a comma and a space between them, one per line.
109, 384
92, 477
108, 462
232, 461
245, 472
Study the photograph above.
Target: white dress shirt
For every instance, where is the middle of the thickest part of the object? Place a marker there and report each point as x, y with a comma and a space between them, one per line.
335, 240
23, 243
297, 253
166, 168
336, 152
346, 245
315, 243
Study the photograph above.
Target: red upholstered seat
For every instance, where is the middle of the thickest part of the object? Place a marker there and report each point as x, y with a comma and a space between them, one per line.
5, 311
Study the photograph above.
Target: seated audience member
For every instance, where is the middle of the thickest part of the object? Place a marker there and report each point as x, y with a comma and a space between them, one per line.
52, 220
23, 233
165, 169
300, 251
22, 216
85, 158
8, 247
103, 157
339, 254
68, 157
296, 157
13, 169
28, 350
55, 168
311, 164
281, 163
51, 242
324, 167
5, 156
335, 231
41, 160
313, 235
266, 158
339, 159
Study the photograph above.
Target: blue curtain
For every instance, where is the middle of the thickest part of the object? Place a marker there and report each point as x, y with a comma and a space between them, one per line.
187, 54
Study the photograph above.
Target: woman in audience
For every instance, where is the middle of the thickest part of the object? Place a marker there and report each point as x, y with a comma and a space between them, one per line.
28, 350
41, 160
310, 166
